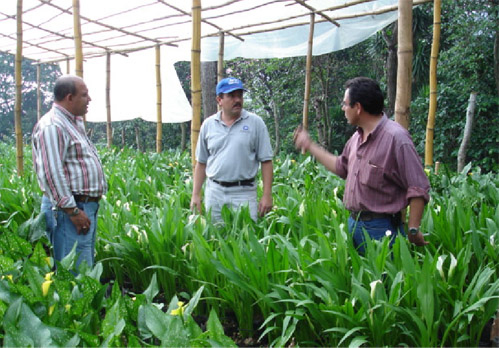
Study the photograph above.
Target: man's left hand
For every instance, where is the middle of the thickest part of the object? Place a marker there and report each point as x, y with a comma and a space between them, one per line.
417, 239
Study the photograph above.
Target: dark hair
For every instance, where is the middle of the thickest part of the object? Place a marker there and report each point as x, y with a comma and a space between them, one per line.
63, 86
367, 92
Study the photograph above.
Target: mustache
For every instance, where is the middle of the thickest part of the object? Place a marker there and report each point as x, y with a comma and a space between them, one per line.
237, 104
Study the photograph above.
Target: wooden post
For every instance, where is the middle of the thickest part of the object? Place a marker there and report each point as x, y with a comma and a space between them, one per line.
404, 68
19, 81
78, 44
220, 66
159, 115
221, 49
195, 76
78, 39
38, 91
308, 71
432, 109
109, 130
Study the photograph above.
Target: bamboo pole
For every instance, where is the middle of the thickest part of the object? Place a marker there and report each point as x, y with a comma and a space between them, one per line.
220, 65
308, 71
195, 76
68, 66
159, 115
404, 68
432, 109
109, 129
221, 50
78, 39
38, 91
78, 44
18, 102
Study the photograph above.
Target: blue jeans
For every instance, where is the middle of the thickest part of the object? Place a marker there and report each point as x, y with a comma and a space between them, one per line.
376, 229
62, 232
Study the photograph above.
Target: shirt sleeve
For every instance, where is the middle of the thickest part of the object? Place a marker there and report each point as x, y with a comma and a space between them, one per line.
264, 150
201, 147
412, 173
50, 149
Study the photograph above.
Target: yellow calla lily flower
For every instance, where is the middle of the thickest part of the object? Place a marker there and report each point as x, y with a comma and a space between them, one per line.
46, 287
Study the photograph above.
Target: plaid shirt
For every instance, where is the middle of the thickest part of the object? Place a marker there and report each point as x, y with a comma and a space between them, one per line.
64, 159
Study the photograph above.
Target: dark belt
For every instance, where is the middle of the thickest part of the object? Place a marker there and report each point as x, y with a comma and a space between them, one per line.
369, 215
86, 199
247, 182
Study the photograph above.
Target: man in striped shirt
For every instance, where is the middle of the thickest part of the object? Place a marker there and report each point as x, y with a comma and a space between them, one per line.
69, 172
382, 169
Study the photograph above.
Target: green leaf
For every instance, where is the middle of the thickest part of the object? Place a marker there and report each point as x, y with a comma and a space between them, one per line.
216, 331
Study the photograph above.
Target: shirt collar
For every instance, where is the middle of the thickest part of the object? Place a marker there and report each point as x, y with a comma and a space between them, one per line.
377, 129
244, 115
67, 113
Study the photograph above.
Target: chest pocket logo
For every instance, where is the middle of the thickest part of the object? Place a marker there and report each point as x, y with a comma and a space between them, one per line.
245, 128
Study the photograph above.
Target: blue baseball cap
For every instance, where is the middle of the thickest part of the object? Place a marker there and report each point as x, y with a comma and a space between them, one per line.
228, 85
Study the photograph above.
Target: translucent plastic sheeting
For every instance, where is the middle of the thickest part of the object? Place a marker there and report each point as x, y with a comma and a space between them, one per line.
253, 29
133, 89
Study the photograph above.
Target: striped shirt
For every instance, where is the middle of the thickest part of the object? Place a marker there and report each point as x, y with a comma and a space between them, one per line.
65, 160
382, 173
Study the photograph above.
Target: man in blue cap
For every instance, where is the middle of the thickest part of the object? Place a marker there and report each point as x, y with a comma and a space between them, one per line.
232, 143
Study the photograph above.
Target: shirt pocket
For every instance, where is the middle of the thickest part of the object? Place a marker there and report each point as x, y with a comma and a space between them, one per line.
372, 176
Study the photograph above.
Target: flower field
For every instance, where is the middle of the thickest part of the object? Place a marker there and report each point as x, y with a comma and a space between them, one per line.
165, 277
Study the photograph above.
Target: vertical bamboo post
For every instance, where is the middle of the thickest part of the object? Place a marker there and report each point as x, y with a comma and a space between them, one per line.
308, 71
18, 102
38, 91
109, 130
220, 65
78, 44
195, 76
159, 115
221, 49
404, 68
432, 109
77, 39
68, 66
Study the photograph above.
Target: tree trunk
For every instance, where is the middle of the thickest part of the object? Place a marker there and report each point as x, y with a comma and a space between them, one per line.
404, 67
183, 142
496, 61
208, 85
319, 116
137, 137
470, 113
391, 68
123, 142
277, 111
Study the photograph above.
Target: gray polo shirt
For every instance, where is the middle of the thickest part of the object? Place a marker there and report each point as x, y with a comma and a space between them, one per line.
233, 153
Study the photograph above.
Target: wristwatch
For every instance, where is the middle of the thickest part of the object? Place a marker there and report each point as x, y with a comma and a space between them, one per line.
75, 212
413, 230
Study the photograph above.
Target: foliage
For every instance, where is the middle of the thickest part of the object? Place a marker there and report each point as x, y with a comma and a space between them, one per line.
48, 74
291, 278
466, 63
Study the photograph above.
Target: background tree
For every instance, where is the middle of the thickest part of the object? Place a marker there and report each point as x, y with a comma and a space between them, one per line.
49, 73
